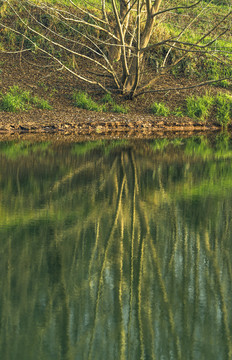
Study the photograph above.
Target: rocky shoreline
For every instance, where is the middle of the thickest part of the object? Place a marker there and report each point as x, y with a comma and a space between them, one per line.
78, 123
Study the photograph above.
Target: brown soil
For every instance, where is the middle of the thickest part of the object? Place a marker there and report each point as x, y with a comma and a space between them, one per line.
66, 121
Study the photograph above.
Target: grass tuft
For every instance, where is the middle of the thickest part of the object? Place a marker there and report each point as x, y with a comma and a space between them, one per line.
119, 109
112, 106
17, 99
199, 107
107, 99
84, 101
160, 109
223, 107
207, 105
41, 103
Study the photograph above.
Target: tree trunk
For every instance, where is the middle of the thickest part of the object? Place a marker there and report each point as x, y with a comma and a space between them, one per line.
115, 50
131, 82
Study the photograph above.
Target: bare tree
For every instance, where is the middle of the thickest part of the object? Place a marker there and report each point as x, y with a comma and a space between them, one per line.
115, 38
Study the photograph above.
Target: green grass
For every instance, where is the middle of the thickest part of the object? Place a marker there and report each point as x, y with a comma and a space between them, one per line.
107, 99
214, 70
83, 100
112, 106
202, 107
199, 107
17, 99
223, 105
218, 108
160, 109
40, 103
119, 109
201, 66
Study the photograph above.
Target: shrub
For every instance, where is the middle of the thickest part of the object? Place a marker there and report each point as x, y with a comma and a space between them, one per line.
160, 109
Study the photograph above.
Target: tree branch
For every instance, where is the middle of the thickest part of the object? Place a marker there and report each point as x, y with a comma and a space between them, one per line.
55, 58
125, 66
183, 87
58, 44
176, 8
76, 19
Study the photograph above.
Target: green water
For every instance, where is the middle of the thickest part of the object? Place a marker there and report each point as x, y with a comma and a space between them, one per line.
116, 250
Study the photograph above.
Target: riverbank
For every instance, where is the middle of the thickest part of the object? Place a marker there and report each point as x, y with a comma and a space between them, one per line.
56, 86
83, 122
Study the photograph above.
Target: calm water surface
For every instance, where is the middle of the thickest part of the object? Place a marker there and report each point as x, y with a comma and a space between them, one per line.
116, 250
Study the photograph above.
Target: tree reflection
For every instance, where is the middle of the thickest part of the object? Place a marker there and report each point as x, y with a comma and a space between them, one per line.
116, 251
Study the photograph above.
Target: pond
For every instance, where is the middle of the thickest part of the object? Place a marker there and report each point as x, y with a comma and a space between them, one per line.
116, 249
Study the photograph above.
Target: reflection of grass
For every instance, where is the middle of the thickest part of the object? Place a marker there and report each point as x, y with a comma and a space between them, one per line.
214, 187
27, 217
160, 144
86, 147
112, 145
105, 146
222, 143
200, 146
14, 150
